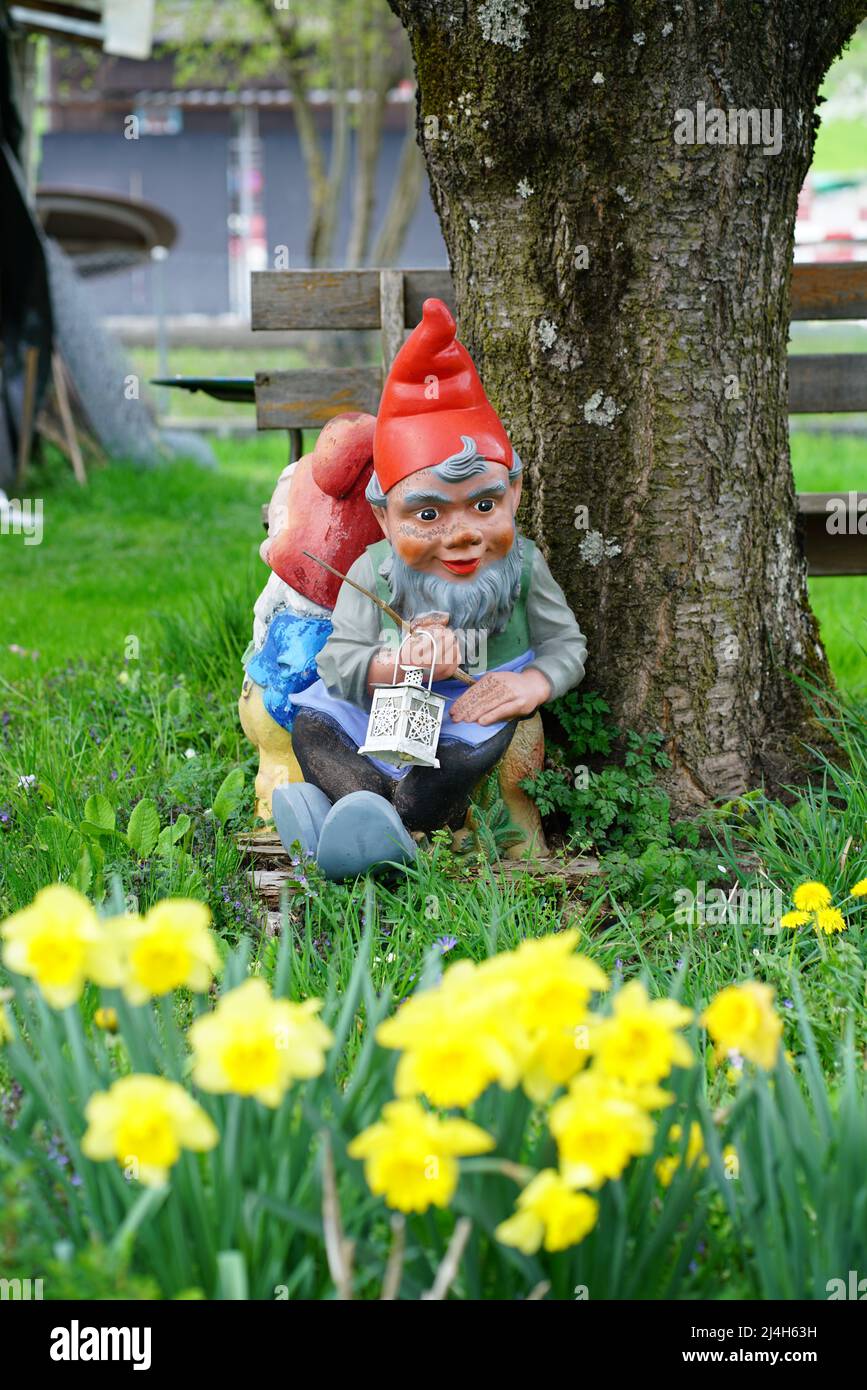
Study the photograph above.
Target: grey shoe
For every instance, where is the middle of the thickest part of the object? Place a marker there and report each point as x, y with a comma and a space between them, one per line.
299, 810
361, 831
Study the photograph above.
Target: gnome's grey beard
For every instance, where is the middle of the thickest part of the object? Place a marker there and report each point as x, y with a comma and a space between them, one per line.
481, 604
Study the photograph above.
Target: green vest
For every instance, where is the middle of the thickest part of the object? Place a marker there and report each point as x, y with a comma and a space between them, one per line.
512, 642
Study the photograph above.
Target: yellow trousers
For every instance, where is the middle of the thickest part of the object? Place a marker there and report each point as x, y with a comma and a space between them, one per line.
277, 762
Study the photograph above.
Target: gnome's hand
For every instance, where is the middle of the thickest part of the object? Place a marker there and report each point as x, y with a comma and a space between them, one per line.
501, 695
417, 650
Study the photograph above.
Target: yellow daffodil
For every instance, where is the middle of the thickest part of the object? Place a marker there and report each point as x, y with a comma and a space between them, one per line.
144, 1122
410, 1155
795, 919
667, 1166
639, 1044
742, 1017
859, 890
457, 1039
829, 920
555, 1056
59, 942
553, 984
171, 947
106, 1019
253, 1045
549, 1212
809, 897
517, 1017
552, 993
599, 1126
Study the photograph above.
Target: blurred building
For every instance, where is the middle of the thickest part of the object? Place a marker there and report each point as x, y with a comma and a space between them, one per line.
226, 165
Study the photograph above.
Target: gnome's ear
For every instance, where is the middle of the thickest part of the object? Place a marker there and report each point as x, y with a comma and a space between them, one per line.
381, 514
517, 487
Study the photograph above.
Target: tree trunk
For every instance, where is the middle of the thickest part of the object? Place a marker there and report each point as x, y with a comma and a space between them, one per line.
626, 298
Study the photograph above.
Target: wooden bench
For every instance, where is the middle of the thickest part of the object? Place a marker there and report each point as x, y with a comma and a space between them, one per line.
390, 302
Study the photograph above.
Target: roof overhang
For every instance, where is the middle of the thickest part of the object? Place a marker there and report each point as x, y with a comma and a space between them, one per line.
123, 28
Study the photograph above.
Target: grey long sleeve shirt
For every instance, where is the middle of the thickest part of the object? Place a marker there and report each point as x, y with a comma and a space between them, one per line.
560, 650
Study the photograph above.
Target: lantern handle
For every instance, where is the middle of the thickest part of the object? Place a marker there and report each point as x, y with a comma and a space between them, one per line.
424, 632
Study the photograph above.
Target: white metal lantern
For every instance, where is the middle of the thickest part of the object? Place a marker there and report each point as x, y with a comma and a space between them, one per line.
405, 720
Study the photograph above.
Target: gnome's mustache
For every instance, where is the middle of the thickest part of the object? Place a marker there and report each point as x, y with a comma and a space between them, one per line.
483, 603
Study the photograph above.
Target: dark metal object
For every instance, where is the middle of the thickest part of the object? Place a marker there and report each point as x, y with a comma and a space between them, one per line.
219, 388
103, 232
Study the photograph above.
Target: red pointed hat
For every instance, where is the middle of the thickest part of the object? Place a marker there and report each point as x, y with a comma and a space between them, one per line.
432, 396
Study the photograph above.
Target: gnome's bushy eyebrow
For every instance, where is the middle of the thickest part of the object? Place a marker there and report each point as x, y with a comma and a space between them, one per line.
427, 499
490, 490
424, 499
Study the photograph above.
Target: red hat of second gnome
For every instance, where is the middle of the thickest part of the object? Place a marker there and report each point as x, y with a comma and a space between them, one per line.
432, 396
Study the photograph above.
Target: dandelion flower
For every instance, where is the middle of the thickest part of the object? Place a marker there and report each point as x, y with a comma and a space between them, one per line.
809, 897
829, 920
795, 919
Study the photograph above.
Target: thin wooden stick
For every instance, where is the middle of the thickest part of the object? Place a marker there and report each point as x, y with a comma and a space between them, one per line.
448, 1270
60, 391
394, 1268
404, 626
380, 603
338, 1250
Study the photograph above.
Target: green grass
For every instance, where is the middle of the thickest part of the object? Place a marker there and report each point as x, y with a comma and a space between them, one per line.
132, 544
836, 463
841, 147
841, 144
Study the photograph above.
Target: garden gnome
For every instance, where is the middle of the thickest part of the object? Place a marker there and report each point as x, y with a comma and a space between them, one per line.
318, 505
444, 491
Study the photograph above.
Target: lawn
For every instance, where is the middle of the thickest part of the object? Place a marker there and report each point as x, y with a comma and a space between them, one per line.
123, 772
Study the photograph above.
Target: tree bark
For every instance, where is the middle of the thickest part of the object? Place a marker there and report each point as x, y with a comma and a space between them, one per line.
643, 380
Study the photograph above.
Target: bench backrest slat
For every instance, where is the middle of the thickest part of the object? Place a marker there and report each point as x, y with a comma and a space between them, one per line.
308, 400
350, 299
827, 382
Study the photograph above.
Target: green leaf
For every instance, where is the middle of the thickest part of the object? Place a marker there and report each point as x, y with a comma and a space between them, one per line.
232, 1276
178, 704
82, 875
98, 811
143, 830
165, 844
55, 835
228, 798
96, 832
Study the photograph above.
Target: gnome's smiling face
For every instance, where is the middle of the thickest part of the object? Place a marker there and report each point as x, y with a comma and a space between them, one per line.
446, 481
452, 533
452, 528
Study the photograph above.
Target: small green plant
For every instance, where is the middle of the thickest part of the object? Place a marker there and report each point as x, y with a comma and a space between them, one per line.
614, 807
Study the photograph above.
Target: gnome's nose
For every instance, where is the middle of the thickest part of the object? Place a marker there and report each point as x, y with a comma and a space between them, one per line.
464, 536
